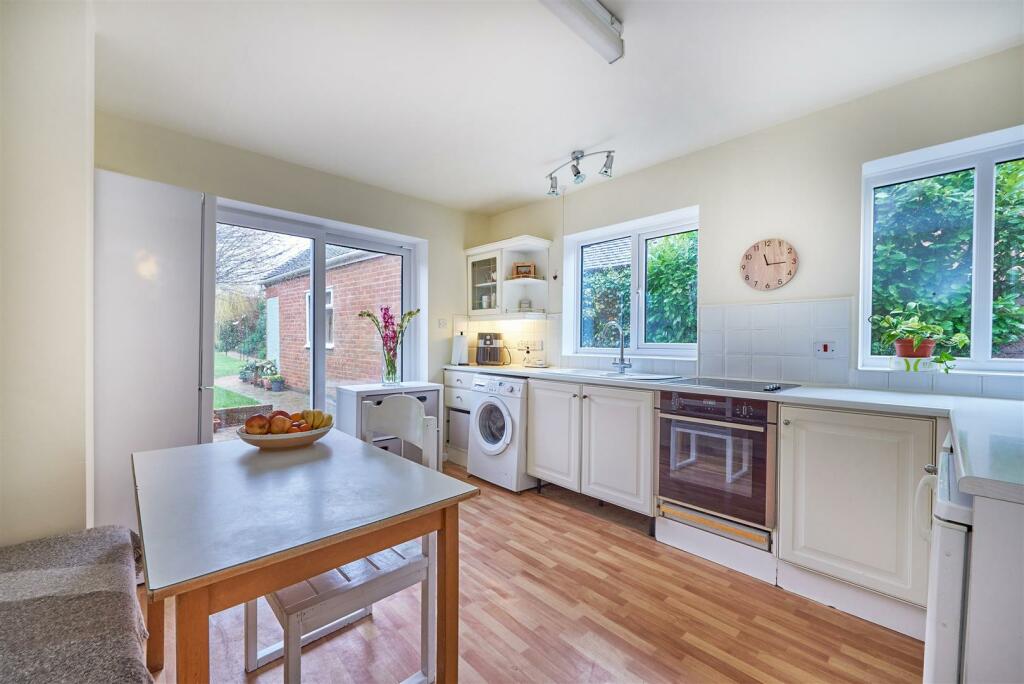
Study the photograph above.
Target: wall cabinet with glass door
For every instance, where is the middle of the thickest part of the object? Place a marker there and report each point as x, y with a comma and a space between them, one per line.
508, 279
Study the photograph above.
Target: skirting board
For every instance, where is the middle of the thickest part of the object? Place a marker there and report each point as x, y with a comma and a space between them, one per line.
732, 554
456, 456
897, 615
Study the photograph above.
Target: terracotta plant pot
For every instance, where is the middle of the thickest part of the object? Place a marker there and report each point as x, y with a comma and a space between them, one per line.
905, 348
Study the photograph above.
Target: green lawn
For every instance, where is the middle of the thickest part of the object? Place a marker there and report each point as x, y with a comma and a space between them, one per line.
226, 365
225, 398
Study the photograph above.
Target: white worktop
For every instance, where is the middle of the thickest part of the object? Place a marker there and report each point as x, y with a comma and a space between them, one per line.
988, 434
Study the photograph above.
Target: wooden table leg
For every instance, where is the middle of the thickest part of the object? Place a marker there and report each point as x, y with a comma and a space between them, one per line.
155, 642
192, 636
448, 597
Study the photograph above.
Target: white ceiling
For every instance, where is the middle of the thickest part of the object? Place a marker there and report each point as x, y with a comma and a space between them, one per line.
471, 104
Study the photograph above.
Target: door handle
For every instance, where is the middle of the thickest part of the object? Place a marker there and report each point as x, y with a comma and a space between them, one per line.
931, 469
785, 421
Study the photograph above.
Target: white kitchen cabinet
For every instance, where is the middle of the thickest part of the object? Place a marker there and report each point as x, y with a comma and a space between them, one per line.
484, 283
618, 461
497, 290
846, 497
553, 433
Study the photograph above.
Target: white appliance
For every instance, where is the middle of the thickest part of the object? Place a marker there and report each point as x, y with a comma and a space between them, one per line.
950, 536
497, 433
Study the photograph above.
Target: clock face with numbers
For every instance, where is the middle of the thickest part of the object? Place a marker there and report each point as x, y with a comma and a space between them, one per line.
769, 264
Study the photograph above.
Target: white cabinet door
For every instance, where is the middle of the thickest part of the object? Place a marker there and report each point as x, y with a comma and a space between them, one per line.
618, 461
846, 497
553, 433
484, 277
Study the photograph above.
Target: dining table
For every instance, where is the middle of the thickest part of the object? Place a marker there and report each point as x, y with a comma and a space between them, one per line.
224, 523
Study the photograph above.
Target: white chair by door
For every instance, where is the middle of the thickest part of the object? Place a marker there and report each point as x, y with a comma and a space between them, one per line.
335, 599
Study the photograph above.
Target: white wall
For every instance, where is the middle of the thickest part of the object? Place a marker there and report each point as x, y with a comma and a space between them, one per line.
799, 180
46, 170
148, 151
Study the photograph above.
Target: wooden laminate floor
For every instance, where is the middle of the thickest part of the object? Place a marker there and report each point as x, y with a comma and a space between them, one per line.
552, 593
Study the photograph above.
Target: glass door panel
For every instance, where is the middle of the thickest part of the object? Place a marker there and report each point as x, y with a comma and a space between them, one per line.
262, 313
357, 280
483, 284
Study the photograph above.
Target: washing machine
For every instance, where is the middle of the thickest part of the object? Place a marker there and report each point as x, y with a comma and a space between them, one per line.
497, 432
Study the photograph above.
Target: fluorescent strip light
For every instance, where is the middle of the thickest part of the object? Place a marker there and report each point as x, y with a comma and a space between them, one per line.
593, 23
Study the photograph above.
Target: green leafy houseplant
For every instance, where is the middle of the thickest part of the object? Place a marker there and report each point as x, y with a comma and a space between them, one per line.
276, 383
906, 327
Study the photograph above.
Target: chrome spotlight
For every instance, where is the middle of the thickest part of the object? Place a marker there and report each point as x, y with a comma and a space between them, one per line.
577, 176
606, 170
553, 190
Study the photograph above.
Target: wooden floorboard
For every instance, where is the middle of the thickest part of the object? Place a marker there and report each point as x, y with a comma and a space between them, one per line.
557, 589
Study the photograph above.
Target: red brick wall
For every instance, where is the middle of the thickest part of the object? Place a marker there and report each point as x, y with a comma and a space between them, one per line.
356, 356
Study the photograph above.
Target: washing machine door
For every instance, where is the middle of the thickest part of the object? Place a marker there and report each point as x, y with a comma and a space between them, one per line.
492, 425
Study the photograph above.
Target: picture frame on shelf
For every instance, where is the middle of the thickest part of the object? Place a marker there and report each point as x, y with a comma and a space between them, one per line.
524, 269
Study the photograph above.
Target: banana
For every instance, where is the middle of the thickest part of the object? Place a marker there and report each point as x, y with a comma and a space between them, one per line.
328, 421
308, 416
318, 419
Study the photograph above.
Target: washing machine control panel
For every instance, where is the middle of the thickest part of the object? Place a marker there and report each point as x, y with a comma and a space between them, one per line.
499, 386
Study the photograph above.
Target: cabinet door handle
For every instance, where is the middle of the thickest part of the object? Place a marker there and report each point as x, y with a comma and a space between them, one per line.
931, 469
785, 421
586, 396
575, 396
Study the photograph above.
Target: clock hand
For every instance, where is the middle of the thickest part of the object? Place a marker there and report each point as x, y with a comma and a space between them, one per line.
766, 260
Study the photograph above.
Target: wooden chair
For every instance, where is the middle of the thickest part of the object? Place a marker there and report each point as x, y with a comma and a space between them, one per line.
335, 599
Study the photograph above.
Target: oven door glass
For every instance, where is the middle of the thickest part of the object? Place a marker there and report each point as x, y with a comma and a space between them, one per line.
721, 469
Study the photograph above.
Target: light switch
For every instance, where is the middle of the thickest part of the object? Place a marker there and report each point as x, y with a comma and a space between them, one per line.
442, 323
825, 349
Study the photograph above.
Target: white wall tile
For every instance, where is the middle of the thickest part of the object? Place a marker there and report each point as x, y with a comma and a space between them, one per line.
766, 368
765, 315
910, 382
737, 341
737, 317
737, 365
797, 369
878, 380
711, 342
711, 318
797, 314
831, 371
712, 365
954, 383
832, 313
840, 337
685, 368
766, 341
1003, 386
796, 341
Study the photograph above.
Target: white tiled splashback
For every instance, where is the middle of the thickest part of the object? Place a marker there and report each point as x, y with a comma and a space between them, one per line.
775, 342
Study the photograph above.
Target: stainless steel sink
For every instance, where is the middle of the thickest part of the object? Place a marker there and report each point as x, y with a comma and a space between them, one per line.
591, 373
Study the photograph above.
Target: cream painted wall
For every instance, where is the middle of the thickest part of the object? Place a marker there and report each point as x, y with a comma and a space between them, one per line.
148, 151
799, 180
46, 170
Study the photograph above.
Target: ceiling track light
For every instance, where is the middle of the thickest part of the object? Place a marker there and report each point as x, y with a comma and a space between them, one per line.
574, 167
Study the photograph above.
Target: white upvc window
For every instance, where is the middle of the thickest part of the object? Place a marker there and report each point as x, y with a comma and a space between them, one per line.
328, 318
641, 275
944, 227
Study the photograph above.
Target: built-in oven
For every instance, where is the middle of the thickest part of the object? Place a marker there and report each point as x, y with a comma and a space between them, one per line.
716, 464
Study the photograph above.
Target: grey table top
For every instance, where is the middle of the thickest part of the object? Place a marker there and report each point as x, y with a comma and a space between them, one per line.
209, 507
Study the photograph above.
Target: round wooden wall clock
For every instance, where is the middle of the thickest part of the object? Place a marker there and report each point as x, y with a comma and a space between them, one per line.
769, 264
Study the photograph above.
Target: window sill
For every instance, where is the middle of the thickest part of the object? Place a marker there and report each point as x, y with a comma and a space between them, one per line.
955, 371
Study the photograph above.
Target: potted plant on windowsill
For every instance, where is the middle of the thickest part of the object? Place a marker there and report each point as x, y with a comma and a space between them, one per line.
276, 383
915, 338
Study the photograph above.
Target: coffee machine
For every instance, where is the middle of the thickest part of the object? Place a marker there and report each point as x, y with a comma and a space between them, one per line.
490, 350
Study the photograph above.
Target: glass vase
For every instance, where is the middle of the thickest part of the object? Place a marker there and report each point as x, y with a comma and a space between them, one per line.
389, 372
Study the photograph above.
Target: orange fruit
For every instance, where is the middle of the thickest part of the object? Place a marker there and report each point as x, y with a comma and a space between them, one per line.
296, 417
294, 429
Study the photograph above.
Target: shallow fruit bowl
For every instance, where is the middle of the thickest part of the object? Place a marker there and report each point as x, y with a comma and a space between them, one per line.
289, 440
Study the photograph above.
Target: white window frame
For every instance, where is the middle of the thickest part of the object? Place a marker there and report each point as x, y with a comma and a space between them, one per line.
328, 312
639, 231
415, 253
980, 153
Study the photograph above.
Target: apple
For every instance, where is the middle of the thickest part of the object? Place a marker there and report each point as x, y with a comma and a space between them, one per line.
257, 425
280, 413
280, 424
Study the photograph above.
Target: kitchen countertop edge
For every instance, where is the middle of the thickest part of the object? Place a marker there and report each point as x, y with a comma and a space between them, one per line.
980, 469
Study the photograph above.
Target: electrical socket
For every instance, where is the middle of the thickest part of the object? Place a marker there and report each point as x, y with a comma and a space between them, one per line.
825, 349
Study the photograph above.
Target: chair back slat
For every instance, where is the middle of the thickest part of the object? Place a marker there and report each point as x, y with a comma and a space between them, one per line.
403, 417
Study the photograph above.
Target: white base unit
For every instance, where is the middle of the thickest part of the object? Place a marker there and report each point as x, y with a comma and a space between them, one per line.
618, 455
846, 497
553, 433
899, 616
349, 400
732, 554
